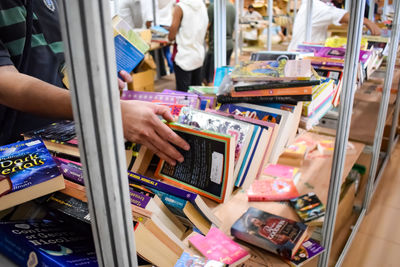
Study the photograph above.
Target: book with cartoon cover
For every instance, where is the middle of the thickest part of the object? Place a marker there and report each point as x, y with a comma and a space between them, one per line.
308, 207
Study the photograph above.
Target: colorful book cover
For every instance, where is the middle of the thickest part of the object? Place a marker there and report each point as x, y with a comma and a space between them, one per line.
71, 170
62, 132
320, 94
251, 86
309, 48
339, 53
280, 171
46, 243
187, 260
188, 100
218, 246
161, 186
241, 131
208, 166
127, 55
272, 190
287, 99
271, 232
27, 163
307, 251
273, 55
308, 207
251, 113
220, 73
281, 69
122, 27
209, 101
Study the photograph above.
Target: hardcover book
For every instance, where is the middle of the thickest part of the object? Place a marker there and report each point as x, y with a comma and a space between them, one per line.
307, 251
183, 194
27, 172
241, 131
271, 232
272, 190
208, 166
218, 246
308, 207
46, 243
187, 260
280, 70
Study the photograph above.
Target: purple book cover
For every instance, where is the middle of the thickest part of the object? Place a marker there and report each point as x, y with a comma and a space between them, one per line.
170, 189
308, 250
70, 169
309, 48
251, 113
190, 100
339, 53
138, 199
211, 99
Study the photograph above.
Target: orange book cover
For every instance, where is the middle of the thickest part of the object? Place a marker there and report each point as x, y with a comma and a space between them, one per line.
307, 90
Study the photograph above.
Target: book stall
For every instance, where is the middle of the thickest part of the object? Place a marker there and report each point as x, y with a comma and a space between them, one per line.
286, 151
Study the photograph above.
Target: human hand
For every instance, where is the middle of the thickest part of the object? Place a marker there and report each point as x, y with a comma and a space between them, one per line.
374, 29
126, 78
141, 125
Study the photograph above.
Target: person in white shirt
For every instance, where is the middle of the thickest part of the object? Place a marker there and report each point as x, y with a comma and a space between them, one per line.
251, 14
188, 29
322, 16
137, 13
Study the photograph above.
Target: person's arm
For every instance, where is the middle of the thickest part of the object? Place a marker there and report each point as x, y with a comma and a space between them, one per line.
375, 30
176, 23
140, 119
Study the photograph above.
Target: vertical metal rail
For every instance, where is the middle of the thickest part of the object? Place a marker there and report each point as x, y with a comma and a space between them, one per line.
384, 11
383, 105
154, 10
309, 20
347, 5
89, 49
219, 33
371, 11
395, 123
294, 9
342, 134
270, 14
237, 31
116, 6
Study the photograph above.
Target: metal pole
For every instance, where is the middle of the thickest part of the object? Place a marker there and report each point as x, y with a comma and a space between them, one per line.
270, 14
154, 7
395, 122
384, 105
347, 5
237, 31
89, 50
219, 33
371, 11
385, 4
342, 134
241, 2
116, 6
309, 20
294, 9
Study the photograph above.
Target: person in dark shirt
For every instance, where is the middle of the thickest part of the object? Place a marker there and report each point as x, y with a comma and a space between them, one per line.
32, 93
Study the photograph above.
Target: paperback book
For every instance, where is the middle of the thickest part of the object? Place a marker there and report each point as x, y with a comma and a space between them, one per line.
250, 86
188, 100
27, 172
308, 207
272, 190
46, 243
187, 260
271, 232
307, 251
218, 246
208, 166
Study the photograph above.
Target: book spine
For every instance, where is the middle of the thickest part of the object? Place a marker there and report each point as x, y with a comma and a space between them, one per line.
225, 99
275, 85
191, 101
139, 199
72, 173
274, 92
146, 181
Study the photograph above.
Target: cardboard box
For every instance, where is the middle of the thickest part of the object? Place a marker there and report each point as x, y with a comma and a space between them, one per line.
142, 81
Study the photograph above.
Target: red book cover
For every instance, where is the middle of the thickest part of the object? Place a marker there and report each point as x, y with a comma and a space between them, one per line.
272, 190
218, 246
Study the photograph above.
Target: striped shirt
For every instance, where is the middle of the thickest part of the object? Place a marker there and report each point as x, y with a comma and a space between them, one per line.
44, 60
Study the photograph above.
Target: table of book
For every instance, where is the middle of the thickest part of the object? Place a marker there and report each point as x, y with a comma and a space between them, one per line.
315, 177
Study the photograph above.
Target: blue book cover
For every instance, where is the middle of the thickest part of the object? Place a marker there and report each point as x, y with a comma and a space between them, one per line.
26, 163
220, 73
46, 243
128, 56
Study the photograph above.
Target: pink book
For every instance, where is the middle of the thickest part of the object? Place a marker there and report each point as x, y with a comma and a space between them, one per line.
281, 171
218, 246
272, 190
189, 100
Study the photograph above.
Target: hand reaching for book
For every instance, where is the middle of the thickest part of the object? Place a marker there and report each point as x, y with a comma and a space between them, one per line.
126, 78
141, 125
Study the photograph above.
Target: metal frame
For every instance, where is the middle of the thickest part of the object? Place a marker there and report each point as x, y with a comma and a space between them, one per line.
342, 134
371, 11
237, 31
309, 20
270, 15
294, 9
219, 33
89, 50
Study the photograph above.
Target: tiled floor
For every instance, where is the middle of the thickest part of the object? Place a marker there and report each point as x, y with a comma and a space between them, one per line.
378, 241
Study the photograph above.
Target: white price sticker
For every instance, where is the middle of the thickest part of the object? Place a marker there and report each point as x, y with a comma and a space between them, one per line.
216, 167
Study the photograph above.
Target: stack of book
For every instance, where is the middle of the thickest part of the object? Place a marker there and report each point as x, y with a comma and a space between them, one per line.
280, 80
